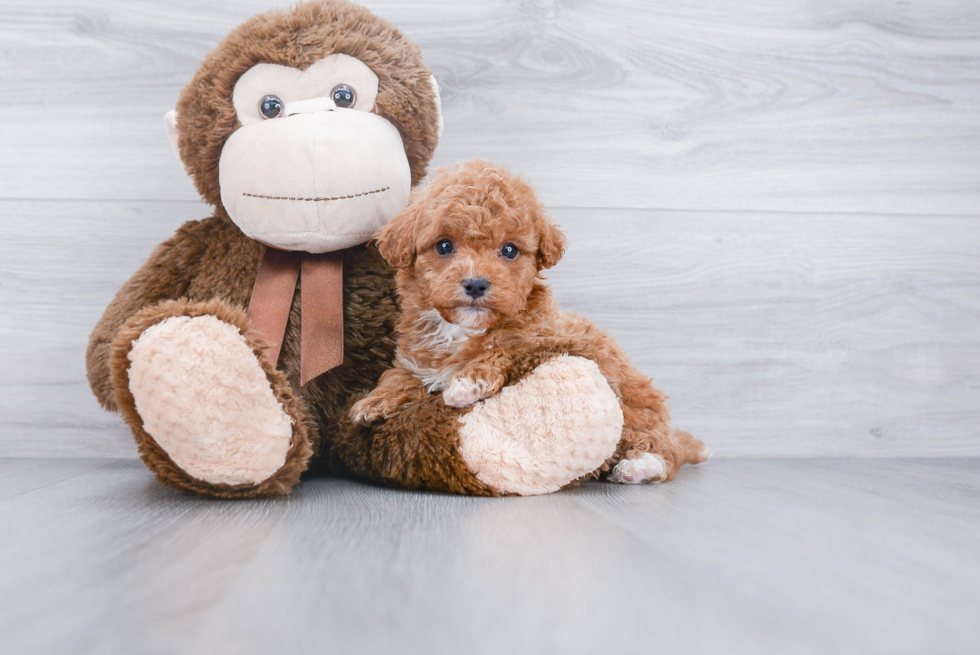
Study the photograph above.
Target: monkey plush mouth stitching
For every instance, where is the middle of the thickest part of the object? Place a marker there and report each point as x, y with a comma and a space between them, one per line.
356, 195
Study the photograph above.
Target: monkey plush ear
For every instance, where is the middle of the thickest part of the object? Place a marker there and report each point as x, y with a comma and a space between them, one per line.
396, 241
551, 244
435, 89
170, 123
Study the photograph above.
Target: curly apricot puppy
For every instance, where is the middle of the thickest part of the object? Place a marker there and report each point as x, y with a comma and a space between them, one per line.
469, 250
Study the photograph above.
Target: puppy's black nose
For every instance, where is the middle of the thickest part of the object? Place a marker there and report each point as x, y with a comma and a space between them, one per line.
476, 286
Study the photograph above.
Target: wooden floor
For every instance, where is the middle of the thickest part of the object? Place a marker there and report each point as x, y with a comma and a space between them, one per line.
773, 206
752, 556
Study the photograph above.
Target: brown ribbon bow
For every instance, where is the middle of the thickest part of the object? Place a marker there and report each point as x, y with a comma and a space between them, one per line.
321, 309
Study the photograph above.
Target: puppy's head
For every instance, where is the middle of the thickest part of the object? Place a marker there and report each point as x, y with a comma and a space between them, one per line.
470, 244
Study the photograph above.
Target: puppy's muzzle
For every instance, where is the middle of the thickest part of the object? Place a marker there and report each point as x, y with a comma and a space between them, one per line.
476, 287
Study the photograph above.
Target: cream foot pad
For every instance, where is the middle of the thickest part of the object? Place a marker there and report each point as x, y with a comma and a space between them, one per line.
207, 402
549, 429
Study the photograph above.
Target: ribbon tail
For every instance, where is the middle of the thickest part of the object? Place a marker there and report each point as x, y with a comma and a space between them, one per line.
322, 319
272, 297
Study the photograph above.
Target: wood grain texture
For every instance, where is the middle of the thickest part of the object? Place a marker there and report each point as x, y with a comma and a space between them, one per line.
813, 292
780, 335
784, 106
792, 335
18, 476
796, 556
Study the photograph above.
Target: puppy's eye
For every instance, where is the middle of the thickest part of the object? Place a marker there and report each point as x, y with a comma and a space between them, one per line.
509, 251
270, 107
344, 96
445, 247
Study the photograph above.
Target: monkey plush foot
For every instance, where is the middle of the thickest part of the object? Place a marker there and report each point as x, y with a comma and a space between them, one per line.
207, 415
206, 401
556, 425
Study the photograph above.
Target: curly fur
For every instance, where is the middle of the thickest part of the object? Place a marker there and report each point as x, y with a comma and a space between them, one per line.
479, 208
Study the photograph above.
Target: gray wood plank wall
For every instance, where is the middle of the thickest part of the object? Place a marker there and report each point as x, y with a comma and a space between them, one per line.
773, 205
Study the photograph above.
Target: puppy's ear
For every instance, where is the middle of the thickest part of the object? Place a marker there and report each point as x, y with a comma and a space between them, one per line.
551, 243
396, 241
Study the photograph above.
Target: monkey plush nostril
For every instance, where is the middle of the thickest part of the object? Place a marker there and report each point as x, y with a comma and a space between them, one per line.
309, 106
476, 287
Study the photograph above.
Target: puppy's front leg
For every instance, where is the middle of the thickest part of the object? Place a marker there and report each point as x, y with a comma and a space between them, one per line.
478, 380
394, 389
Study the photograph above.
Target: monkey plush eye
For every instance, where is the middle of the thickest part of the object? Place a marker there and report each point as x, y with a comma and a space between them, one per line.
344, 96
445, 247
509, 251
270, 107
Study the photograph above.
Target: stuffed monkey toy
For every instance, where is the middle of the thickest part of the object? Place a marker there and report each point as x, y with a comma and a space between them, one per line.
234, 352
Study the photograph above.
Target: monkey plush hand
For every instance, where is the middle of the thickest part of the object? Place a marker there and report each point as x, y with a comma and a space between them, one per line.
235, 350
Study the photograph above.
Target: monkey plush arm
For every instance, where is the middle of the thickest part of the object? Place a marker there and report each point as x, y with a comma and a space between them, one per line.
158, 279
179, 267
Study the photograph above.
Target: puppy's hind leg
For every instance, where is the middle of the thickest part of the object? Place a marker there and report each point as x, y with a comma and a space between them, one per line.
645, 467
650, 450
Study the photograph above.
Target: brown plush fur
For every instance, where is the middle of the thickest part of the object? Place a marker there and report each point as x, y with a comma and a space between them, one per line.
304, 441
212, 261
416, 449
210, 265
479, 208
418, 446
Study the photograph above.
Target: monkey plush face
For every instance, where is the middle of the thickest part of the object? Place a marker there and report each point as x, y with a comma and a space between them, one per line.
309, 127
312, 168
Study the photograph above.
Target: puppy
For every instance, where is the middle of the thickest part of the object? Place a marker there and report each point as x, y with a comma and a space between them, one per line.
469, 250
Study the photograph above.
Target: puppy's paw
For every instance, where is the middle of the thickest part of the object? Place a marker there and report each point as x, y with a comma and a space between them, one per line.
371, 408
645, 468
463, 392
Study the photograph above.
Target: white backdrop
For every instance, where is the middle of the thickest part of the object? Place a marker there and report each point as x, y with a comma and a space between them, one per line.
772, 205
